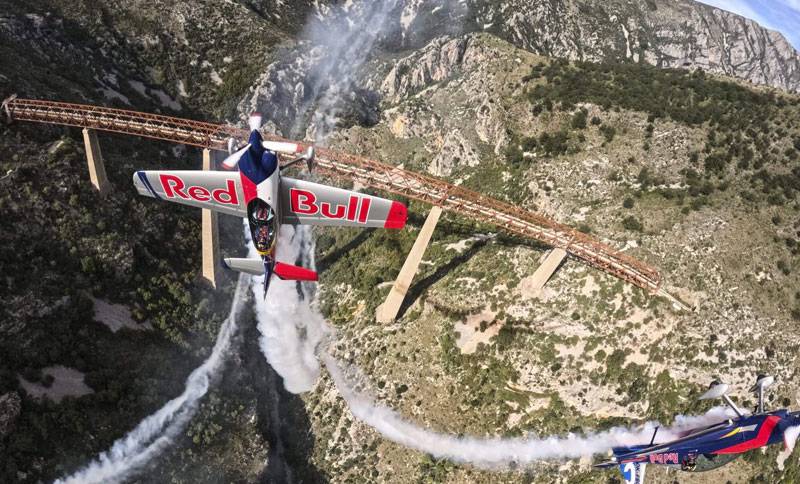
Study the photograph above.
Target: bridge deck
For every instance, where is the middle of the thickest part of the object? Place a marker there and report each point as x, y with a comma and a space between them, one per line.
371, 173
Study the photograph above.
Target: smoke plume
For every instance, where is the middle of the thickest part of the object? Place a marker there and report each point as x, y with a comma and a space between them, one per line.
342, 41
502, 453
156, 432
290, 328
293, 332
295, 335
790, 439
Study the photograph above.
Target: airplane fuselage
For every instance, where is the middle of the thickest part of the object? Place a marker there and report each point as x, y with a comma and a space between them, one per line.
260, 178
719, 446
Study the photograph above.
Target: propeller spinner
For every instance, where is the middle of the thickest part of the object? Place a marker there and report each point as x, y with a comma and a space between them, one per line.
234, 152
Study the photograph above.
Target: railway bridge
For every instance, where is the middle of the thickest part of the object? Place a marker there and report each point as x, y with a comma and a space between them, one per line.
364, 171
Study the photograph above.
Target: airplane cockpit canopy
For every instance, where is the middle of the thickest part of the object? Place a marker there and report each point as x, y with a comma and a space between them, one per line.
707, 462
262, 225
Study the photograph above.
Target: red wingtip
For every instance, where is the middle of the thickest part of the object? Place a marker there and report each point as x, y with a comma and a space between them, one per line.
289, 272
398, 214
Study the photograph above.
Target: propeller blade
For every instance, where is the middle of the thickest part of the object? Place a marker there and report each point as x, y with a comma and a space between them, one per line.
280, 147
255, 121
762, 381
717, 390
231, 161
310, 157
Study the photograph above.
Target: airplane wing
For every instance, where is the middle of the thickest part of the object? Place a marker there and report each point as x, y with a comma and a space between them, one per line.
308, 203
215, 190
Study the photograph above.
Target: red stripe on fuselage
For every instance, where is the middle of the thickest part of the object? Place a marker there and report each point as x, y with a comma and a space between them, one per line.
760, 440
248, 188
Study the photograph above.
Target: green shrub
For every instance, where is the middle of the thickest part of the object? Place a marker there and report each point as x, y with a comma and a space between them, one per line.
632, 223
555, 143
608, 132
579, 119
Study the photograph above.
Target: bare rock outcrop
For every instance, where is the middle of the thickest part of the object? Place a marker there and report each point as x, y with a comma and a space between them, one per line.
10, 406
436, 62
664, 33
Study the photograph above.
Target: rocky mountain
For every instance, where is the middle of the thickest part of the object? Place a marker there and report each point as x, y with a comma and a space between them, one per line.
682, 34
570, 108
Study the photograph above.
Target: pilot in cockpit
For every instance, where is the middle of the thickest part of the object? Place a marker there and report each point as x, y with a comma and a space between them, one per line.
262, 227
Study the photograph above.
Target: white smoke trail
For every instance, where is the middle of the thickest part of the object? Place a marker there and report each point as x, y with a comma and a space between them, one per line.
343, 41
790, 439
290, 328
503, 453
156, 432
293, 331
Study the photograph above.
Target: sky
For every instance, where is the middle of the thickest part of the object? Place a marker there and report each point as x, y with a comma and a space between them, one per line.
780, 15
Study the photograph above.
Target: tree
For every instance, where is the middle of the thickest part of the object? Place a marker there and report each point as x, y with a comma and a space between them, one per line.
579, 119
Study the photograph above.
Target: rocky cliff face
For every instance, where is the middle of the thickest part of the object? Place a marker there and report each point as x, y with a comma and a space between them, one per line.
500, 358
683, 34
408, 35
448, 87
204, 54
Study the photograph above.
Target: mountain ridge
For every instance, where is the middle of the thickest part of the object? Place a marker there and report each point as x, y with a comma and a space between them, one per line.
684, 34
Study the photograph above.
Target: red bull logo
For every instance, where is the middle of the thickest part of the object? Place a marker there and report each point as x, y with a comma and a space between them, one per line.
666, 458
304, 202
174, 187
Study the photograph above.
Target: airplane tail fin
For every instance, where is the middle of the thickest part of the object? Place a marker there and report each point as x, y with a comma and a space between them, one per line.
288, 272
632, 472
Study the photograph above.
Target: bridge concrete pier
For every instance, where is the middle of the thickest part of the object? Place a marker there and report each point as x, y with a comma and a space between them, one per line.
210, 233
545, 271
387, 312
94, 157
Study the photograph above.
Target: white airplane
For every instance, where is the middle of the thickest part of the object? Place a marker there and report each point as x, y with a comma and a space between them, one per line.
267, 199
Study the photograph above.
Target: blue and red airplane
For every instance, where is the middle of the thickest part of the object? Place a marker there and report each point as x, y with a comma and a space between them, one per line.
706, 448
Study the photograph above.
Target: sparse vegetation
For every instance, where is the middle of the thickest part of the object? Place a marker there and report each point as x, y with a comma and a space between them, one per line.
632, 223
664, 143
